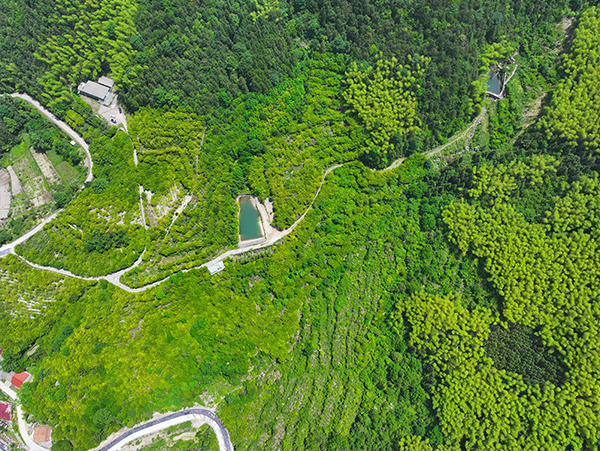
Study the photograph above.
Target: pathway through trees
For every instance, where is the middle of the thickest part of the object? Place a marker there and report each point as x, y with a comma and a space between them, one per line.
272, 238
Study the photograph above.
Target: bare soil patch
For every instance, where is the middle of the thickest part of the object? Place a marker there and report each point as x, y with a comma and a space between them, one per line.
15, 183
48, 170
5, 195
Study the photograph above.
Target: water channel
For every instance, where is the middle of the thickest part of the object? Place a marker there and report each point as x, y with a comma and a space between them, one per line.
250, 228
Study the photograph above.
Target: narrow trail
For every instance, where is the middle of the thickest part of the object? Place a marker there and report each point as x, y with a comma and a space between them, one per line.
273, 235
462, 135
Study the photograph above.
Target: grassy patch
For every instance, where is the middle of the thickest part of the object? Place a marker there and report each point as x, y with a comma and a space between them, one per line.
20, 155
68, 173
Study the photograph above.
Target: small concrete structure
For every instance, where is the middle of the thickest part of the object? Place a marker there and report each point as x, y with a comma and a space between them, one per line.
105, 81
216, 268
260, 221
495, 86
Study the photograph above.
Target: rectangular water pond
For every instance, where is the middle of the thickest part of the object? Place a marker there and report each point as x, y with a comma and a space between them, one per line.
250, 228
494, 84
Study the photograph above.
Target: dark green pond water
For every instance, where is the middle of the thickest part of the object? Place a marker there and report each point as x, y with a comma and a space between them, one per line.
249, 220
494, 85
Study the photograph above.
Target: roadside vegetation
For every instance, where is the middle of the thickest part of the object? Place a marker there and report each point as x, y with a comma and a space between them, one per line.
182, 437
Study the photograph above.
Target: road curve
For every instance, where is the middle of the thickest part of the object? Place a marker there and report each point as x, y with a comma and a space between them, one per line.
182, 416
169, 420
8, 248
64, 127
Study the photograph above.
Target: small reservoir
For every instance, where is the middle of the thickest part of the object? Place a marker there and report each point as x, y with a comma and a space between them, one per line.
250, 227
494, 84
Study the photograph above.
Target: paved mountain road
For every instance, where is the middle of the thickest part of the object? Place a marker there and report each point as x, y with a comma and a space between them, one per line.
272, 237
172, 419
9, 248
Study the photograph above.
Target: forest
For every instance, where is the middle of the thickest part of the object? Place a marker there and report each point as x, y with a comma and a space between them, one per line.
447, 302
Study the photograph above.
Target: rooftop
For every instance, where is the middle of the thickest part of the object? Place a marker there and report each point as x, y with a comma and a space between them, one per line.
5, 411
18, 379
94, 90
105, 81
42, 434
216, 267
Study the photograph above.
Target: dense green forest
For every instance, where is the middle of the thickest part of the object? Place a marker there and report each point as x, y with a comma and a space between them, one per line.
449, 302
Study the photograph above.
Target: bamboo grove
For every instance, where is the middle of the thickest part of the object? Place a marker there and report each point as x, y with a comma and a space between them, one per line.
448, 303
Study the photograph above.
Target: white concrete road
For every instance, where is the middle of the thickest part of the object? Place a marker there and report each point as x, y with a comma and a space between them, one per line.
198, 416
10, 247
272, 235
64, 127
202, 415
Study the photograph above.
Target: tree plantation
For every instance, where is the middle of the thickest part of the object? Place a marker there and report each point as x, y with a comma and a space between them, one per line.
430, 278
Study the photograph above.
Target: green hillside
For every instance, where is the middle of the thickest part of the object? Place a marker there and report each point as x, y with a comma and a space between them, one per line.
435, 280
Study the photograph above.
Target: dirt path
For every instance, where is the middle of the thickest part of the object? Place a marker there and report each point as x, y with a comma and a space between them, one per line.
48, 170
15, 183
456, 138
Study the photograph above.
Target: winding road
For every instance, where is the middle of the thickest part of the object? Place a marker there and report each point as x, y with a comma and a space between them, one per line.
9, 248
198, 416
273, 235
